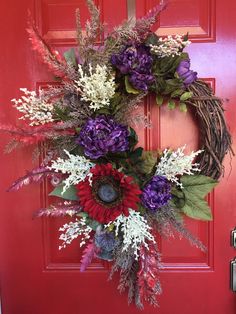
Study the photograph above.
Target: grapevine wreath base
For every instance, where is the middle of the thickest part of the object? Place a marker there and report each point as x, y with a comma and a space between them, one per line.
117, 195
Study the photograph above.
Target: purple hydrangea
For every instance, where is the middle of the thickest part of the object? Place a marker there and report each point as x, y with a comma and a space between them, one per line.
136, 62
102, 135
188, 76
156, 193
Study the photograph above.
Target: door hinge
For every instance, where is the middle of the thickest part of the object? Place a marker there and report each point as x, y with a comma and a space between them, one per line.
233, 238
233, 275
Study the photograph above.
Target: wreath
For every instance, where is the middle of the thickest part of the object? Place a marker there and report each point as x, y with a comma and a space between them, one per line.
117, 195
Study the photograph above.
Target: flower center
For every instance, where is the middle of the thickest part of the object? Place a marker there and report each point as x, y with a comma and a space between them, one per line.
107, 191
101, 135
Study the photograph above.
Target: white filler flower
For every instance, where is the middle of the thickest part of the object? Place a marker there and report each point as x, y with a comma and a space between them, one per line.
135, 229
97, 88
170, 46
34, 107
177, 163
73, 230
78, 168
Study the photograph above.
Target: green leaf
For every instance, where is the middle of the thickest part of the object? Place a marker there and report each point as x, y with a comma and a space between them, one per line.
133, 137
171, 86
61, 113
184, 55
168, 64
178, 198
160, 85
69, 194
197, 209
195, 188
152, 39
136, 154
186, 96
149, 162
177, 192
159, 100
166, 67
142, 210
103, 111
129, 88
185, 37
183, 107
70, 57
93, 224
198, 184
176, 93
178, 216
83, 214
115, 101
171, 104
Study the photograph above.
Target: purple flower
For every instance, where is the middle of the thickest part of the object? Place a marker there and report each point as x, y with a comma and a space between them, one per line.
125, 61
136, 62
188, 76
105, 240
106, 243
102, 135
141, 81
156, 193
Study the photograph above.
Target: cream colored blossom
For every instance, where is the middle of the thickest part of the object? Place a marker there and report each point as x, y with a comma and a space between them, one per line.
35, 108
78, 168
73, 230
97, 88
135, 229
175, 163
170, 46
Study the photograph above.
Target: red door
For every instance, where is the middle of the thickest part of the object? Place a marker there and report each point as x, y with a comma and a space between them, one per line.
37, 278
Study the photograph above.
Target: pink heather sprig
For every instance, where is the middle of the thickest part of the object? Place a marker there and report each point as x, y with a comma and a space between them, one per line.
34, 134
24, 134
88, 254
148, 281
144, 24
33, 176
49, 56
60, 210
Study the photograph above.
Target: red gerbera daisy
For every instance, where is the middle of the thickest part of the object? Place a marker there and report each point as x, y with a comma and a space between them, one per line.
111, 193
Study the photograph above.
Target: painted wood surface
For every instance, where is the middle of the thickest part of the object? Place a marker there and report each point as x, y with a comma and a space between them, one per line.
37, 278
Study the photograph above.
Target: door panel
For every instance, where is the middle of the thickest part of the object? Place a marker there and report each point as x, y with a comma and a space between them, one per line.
38, 278
196, 282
